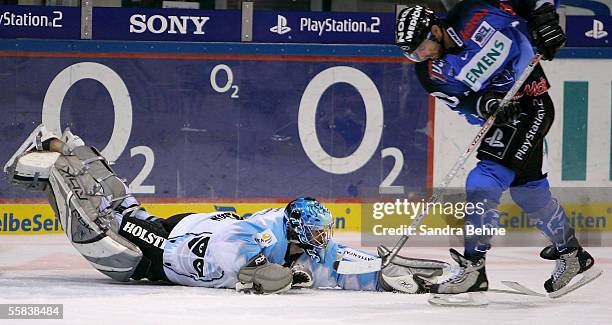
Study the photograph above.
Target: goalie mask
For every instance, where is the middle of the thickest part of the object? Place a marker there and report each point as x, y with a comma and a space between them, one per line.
309, 225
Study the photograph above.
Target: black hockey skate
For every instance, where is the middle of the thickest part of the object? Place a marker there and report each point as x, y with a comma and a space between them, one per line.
569, 265
464, 288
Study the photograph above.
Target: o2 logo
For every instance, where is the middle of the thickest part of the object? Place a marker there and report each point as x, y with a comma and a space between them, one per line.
122, 105
222, 82
373, 129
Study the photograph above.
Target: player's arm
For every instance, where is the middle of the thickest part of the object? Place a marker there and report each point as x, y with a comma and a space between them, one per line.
237, 253
474, 106
542, 22
398, 276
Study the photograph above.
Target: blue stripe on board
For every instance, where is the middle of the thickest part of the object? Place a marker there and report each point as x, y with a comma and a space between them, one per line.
32, 45
208, 48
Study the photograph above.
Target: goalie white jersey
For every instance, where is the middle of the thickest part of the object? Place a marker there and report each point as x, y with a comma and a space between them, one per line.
209, 249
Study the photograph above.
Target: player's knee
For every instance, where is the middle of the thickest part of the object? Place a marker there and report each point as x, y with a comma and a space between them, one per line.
532, 196
151, 238
262, 277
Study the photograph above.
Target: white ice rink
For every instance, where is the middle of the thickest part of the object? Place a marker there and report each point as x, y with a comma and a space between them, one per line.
46, 269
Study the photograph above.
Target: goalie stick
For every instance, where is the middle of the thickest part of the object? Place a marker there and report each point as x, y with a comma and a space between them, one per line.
358, 267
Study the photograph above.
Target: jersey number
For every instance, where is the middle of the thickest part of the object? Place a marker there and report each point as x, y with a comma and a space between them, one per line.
451, 101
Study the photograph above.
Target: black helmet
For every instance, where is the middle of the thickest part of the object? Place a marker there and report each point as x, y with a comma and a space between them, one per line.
413, 27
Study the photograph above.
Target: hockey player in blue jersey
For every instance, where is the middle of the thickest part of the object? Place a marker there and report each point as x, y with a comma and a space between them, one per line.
470, 60
269, 252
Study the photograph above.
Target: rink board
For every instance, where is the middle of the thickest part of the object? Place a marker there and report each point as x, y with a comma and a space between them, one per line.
23, 219
218, 125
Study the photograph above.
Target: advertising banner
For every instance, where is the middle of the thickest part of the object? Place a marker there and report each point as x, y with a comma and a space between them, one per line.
220, 126
589, 31
39, 219
40, 22
323, 27
186, 25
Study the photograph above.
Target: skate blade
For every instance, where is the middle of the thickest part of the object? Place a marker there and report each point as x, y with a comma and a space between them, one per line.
468, 299
591, 274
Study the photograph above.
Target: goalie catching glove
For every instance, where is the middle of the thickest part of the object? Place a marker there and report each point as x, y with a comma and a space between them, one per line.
398, 276
302, 277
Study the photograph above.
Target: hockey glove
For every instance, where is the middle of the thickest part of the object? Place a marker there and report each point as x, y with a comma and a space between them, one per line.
488, 104
302, 277
259, 276
547, 35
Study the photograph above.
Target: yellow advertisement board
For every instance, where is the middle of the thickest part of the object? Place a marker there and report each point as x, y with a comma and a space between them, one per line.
28, 219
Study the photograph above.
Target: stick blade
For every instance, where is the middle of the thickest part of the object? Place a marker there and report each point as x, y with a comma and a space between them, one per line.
522, 289
358, 267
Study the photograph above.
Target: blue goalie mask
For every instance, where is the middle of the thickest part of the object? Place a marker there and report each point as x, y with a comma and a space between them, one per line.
309, 225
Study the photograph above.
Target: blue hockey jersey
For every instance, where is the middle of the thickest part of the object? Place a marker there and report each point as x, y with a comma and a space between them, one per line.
490, 52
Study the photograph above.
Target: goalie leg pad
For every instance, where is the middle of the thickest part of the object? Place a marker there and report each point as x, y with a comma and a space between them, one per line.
399, 274
84, 193
262, 277
33, 142
418, 266
30, 170
394, 278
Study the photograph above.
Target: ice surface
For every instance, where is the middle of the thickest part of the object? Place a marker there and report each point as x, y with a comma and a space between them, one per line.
46, 269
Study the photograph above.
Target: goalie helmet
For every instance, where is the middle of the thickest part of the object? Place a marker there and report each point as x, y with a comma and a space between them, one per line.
309, 225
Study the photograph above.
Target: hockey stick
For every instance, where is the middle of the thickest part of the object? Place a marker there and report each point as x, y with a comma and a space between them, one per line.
358, 267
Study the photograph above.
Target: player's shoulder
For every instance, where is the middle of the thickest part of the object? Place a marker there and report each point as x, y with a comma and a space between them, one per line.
465, 10
473, 22
265, 220
430, 78
269, 213
439, 75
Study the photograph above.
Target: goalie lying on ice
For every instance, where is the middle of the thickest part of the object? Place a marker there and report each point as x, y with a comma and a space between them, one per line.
269, 252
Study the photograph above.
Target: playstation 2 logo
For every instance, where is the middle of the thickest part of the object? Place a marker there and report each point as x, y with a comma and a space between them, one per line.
281, 26
598, 31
